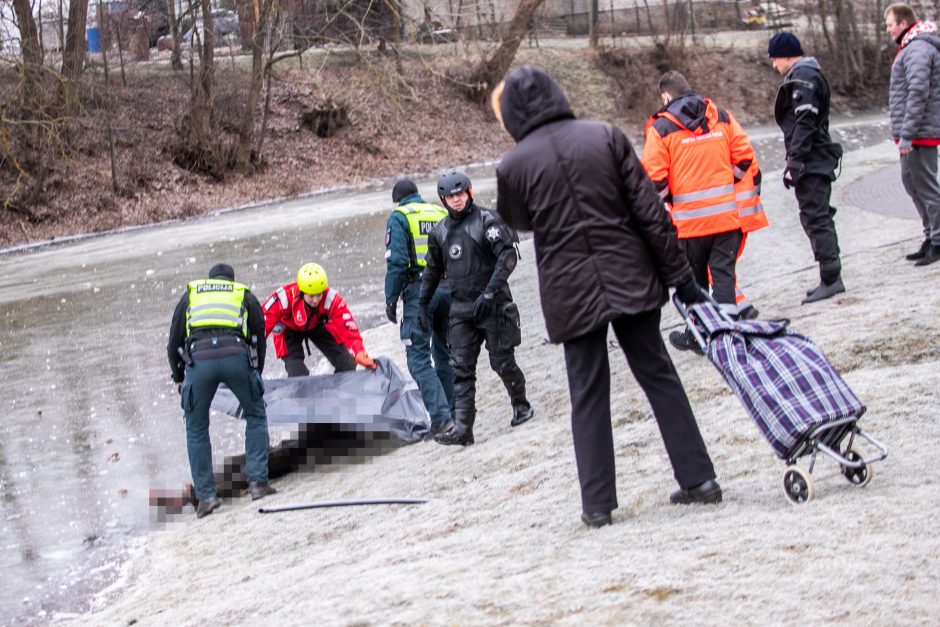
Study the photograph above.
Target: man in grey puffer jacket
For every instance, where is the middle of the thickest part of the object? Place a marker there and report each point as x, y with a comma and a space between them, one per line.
914, 100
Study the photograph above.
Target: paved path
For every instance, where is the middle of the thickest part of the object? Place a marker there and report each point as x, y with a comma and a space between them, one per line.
882, 192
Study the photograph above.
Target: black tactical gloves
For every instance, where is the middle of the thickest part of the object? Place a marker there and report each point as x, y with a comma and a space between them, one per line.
424, 320
690, 292
391, 311
484, 307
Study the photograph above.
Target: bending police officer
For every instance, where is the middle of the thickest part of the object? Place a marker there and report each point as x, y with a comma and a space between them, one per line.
477, 252
214, 339
406, 244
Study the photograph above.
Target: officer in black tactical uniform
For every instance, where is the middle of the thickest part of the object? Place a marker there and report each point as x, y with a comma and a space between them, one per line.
217, 336
477, 252
802, 113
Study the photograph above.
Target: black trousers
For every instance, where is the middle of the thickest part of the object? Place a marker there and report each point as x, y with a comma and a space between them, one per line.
337, 354
466, 336
816, 215
589, 385
718, 253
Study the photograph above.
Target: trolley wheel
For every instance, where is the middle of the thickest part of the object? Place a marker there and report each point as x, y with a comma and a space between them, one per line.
798, 485
857, 476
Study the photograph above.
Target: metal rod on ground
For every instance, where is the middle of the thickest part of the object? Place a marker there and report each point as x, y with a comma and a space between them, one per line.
291, 508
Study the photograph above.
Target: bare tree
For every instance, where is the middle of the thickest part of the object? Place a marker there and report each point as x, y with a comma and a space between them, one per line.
176, 57
258, 72
73, 57
490, 70
29, 35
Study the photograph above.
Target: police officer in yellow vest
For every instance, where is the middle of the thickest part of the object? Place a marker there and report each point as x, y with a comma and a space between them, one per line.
406, 244
217, 336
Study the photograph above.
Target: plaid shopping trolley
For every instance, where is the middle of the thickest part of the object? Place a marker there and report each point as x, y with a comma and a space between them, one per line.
795, 396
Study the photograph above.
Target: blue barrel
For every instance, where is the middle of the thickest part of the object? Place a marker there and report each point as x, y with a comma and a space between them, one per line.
93, 37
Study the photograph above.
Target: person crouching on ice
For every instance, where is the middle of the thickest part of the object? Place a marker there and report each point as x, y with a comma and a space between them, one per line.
309, 310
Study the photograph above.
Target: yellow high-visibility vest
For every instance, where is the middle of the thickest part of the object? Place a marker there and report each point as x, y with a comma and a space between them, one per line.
216, 303
421, 216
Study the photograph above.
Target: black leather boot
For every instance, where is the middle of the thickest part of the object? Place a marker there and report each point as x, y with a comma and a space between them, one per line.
521, 412
460, 430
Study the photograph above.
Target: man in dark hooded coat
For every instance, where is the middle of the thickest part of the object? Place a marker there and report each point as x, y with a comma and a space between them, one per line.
607, 252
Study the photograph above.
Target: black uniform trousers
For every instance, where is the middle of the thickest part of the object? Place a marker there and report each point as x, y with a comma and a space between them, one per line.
589, 386
718, 253
466, 335
337, 354
813, 192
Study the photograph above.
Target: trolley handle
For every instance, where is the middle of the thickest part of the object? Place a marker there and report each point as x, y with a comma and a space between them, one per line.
686, 312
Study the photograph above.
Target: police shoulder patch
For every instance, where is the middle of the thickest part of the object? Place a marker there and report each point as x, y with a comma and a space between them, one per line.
388, 236
797, 95
492, 234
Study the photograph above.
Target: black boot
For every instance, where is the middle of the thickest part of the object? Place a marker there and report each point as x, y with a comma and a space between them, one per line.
920, 253
685, 341
931, 256
749, 313
521, 413
459, 430
824, 291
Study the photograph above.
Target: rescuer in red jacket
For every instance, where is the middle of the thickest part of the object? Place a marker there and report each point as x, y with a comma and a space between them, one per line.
310, 310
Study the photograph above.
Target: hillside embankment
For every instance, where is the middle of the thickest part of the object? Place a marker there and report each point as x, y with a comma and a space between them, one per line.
404, 115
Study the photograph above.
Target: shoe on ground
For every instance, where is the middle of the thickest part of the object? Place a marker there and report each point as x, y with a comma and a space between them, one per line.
707, 492
451, 436
932, 255
189, 492
920, 253
684, 341
260, 489
748, 313
596, 519
521, 414
207, 506
438, 427
823, 291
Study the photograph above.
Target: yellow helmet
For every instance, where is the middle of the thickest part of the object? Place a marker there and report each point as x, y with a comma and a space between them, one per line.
311, 279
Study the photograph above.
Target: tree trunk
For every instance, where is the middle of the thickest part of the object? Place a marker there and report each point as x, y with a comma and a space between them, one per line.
592, 25
29, 35
176, 57
73, 57
488, 72
258, 70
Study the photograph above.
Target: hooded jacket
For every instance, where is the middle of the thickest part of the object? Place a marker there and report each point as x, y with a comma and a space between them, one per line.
695, 153
604, 243
914, 94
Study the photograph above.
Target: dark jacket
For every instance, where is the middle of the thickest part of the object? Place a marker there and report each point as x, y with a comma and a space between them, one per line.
604, 242
476, 252
802, 113
178, 333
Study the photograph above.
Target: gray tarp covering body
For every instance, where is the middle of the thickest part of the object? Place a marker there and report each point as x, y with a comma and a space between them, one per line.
379, 400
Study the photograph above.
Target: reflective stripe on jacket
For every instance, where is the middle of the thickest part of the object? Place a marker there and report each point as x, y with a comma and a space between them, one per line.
216, 303
691, 149
422, 217
747, 193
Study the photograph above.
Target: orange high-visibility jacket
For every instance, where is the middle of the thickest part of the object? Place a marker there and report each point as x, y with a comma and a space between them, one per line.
747, 192
691, 152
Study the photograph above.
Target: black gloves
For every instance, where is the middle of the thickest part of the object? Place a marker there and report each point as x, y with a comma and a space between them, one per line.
792, 173
179, 389
690, 292
391, 311
424, 320
484, 307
